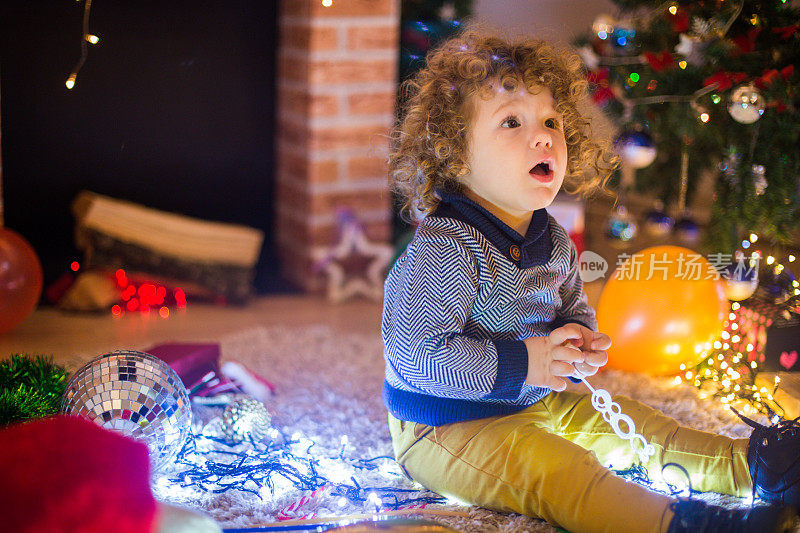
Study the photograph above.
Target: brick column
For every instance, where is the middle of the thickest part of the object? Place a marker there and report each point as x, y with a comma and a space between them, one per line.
337, 79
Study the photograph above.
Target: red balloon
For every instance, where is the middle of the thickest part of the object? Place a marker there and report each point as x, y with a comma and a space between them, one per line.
20, 279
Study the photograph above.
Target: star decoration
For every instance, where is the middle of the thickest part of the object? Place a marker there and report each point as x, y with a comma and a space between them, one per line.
354, 265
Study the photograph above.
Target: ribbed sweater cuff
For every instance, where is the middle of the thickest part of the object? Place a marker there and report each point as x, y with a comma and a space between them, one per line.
512, 369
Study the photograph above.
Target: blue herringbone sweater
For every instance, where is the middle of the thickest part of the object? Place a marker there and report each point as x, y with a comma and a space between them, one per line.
457, 304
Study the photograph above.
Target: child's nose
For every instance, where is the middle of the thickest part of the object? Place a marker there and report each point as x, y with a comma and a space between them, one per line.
541, 138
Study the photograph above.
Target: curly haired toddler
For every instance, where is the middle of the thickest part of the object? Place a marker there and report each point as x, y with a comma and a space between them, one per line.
485, 318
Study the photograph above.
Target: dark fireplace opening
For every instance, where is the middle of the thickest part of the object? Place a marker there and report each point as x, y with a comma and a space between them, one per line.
174, 109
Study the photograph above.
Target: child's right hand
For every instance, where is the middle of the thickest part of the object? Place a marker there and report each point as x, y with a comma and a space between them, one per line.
550, 358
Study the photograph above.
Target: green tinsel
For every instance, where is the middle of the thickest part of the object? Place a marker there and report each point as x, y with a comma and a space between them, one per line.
30, 387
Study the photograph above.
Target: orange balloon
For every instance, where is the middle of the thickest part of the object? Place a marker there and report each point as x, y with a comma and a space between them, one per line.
20, 279
658, 323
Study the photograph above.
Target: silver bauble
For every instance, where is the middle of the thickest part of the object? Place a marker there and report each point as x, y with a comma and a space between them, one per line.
746, 104
137, 395
245, 416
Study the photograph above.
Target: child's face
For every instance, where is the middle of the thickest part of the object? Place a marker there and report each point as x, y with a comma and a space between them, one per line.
511, 133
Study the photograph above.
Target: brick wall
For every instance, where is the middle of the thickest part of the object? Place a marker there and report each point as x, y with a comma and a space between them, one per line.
337, 78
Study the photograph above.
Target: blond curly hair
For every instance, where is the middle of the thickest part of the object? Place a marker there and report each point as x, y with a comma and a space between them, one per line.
429, 149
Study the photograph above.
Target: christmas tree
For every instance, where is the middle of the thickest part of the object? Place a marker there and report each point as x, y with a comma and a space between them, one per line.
706, 87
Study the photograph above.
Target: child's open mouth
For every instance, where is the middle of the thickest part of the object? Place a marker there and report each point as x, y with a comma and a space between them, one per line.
542, 172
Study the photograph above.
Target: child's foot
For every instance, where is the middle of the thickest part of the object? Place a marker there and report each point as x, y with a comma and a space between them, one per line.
695, 516
773, 456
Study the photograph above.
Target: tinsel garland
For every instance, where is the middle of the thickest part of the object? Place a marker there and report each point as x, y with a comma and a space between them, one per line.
30, 387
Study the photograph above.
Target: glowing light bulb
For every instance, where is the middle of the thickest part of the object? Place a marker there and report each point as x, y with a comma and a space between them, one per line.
94, 39
704, 117
753, 237
682, 64
327, 3
673, 9
770, 259
71, 81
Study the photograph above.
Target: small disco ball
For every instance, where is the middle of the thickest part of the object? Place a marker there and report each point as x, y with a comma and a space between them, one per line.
636, 148
746, 104
137, 395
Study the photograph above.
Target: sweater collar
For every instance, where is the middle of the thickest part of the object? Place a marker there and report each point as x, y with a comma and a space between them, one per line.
531, 250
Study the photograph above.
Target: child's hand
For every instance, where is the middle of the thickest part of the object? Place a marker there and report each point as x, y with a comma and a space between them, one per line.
551, 358
594, 346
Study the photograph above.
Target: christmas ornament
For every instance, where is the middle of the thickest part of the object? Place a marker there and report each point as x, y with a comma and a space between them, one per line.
137, 395
621, 227
777, 285
746, 104
636, 148
687, 230
741, 281
657, 223
759, 180
20, 279
354, 265
660, 306
244, 418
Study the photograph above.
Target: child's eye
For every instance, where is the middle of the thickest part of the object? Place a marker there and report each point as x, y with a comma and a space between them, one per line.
510, 122
552, 123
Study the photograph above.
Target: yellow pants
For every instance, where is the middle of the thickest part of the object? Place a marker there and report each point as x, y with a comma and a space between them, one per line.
547, 461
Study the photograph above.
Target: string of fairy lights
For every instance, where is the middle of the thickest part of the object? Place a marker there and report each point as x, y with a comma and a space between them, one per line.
86, 39
726, 369
282, 466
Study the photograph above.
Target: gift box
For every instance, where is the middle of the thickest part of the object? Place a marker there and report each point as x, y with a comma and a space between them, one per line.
769, 333
569, 212
191, 361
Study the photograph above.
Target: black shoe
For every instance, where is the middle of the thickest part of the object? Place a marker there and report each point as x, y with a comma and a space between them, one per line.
773, 456
695, 516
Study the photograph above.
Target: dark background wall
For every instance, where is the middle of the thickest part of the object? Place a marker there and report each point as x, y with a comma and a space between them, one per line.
174, 109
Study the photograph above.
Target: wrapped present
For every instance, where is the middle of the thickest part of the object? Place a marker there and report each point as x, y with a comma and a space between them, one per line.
569, 212
769, 333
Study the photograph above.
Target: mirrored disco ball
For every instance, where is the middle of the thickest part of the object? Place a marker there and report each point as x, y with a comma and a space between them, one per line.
135, 394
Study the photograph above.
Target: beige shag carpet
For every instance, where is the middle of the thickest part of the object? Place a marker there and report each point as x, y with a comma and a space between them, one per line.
329, 385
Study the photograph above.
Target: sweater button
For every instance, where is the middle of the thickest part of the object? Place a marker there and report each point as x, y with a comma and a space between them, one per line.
514, 252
